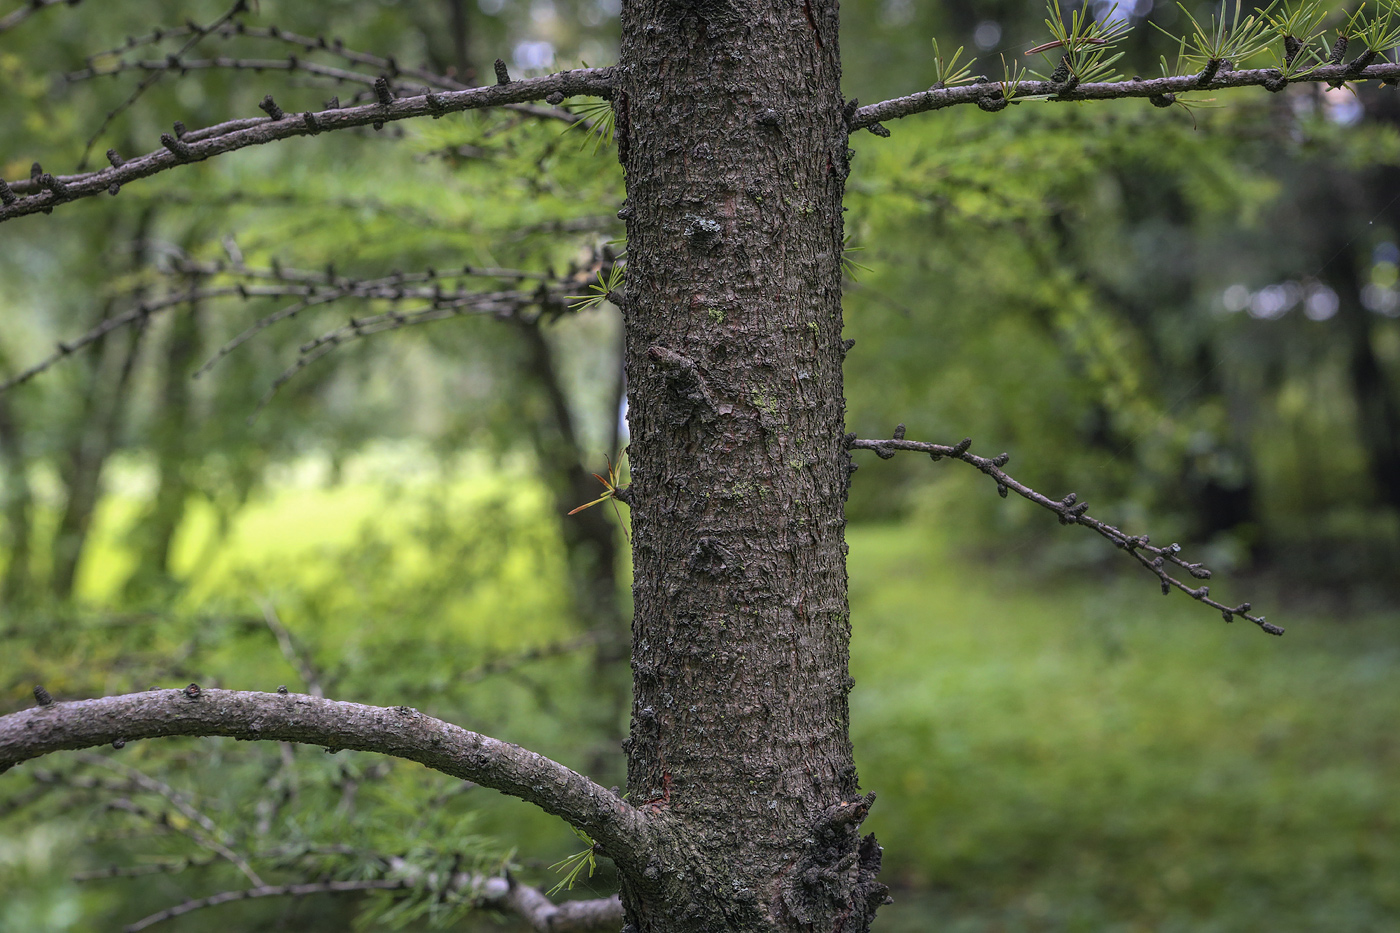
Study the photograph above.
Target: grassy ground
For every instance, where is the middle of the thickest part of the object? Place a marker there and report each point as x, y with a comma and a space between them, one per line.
1095, 757
1049, 756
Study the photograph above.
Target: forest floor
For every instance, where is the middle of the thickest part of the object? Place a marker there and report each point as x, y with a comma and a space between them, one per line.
1052, 752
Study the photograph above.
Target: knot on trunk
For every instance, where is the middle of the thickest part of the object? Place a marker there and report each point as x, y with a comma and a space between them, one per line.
711, 557
685, 384
834, 886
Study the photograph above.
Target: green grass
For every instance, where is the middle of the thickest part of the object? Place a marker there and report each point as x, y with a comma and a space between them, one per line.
1050, 756
1094, 757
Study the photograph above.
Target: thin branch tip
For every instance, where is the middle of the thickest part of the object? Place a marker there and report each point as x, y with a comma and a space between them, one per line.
1071, 510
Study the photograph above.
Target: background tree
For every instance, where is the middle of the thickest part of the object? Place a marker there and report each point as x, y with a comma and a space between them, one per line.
739, 561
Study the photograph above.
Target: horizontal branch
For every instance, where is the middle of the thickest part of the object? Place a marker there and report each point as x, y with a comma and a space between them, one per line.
1072, 512
989, 95
42, 192
400, 731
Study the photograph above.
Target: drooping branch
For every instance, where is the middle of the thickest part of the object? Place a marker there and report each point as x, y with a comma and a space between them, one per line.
989, 95
401, 732
317, 289
43, 191
1071, 511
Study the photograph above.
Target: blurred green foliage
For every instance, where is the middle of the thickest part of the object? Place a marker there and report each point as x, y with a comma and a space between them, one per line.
1076, 756
1124, 298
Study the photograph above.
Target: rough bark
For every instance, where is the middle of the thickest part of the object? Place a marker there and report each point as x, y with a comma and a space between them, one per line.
730, 129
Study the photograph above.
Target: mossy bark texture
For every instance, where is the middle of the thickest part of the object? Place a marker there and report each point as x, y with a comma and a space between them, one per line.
730, 128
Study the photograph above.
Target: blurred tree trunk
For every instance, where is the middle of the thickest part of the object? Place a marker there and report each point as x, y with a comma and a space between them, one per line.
172, 421
107, 369
1377, 411
590, 544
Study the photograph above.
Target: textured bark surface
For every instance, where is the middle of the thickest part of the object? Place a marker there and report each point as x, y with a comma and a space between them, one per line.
730, 128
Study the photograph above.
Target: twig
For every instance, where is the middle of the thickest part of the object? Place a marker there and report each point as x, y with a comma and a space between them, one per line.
401, 732
492, 893
295, 658
291, 283
507, 662
1072, 512
20, 198
1161, 91
213, 845
20, 14
238, 7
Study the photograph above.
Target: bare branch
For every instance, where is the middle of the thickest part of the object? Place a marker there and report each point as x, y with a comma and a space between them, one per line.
492, 893
312, 290
319, 44
1161, 91
294, 64
276, 890
208, 842
502, 305
224, 63
400, 732
43, 192
239, 6
294, 657
168, 867
19, 15
1072, 512
160, 788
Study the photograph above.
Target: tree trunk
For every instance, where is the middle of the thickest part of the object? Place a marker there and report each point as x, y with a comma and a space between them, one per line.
730, 128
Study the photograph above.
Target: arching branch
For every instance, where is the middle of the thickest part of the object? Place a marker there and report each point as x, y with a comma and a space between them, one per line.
1072, 512
1161, 91
400, 732
43, 191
